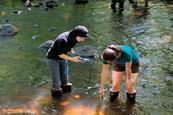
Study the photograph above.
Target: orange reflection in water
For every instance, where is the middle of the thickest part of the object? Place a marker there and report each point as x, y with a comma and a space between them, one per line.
42, 100
78, 107
30, 108
81, 110
64, 103
18, 111
76, 97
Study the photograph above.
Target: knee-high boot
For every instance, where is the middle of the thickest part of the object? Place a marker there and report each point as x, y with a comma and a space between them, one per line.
131, 97
113, 96
56, 93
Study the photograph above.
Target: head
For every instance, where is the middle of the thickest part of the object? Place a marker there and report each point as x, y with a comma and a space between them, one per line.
81, 33
80, 39
110, 54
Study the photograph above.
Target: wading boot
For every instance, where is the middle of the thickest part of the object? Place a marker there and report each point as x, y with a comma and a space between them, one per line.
113, 96
66, 88
56, 93
131, 98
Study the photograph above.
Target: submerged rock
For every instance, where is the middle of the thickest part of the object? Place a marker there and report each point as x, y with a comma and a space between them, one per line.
17, 12
46, 45
8, 30
140, 11
51, 29
34, 37
81, 1
86, 51
6, 20
35, 25
138, 29
3, 13
49, 4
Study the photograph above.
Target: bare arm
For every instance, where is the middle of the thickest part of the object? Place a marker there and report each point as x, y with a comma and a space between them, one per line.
104, 75
66, 57
103, 78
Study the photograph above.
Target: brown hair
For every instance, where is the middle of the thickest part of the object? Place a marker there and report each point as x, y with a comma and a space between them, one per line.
110, 54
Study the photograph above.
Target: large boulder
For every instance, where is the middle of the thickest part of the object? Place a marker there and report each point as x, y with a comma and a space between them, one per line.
51, 4
86, 51
8, 30
46, 45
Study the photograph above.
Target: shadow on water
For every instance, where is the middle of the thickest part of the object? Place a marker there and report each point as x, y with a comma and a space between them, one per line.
24, 78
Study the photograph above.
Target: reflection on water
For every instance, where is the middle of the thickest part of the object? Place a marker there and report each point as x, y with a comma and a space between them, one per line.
24, 77
18, 111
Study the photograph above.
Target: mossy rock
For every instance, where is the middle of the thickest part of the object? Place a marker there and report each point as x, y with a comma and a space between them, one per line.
8, 30
46, 45
87, 51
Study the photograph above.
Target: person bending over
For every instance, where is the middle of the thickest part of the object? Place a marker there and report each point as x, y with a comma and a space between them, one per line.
57, 58
121, 58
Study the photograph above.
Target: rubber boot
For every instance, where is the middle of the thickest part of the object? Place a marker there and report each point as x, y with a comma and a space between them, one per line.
56, 93
66, 88
113, 96
131, 97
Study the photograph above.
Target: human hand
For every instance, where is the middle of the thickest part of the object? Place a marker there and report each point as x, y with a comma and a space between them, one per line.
101, 92
71, 52
76, 59
83, 60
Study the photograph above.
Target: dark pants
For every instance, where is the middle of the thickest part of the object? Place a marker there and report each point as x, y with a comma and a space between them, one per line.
121, 67
121, 4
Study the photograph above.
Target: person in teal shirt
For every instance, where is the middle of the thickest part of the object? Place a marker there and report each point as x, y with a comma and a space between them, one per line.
121, 58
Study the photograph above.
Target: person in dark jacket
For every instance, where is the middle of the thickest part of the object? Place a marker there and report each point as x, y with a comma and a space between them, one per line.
58, 58
121, 5
121, 58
